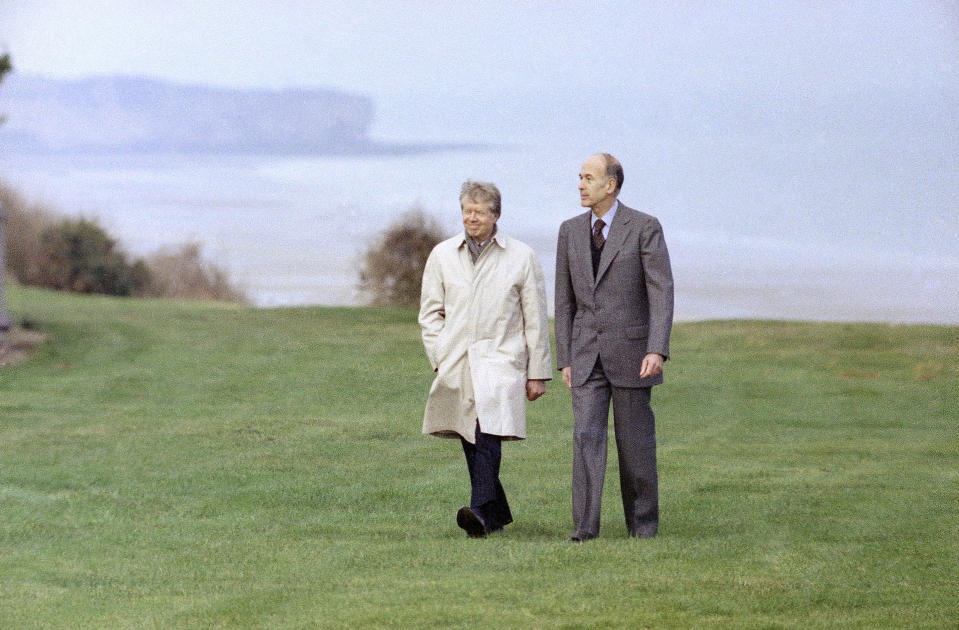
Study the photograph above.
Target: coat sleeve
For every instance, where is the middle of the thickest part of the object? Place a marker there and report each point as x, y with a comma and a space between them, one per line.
535, 322
565, 301
659, 287
432, 316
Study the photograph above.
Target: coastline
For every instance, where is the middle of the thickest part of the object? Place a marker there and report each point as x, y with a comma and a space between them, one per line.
267, 221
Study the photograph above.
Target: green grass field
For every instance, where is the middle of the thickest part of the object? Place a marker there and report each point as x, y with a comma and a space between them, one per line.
187, 465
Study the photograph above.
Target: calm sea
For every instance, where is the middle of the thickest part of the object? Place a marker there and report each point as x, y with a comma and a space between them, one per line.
767, 239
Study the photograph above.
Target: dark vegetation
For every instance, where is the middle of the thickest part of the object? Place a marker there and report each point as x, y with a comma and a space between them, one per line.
392, 268
6, 66
78, 255
47, 250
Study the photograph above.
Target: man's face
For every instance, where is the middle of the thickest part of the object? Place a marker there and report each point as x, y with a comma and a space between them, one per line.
594, 186
478, 219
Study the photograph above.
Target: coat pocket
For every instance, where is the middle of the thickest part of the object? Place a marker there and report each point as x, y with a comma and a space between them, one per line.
637, 332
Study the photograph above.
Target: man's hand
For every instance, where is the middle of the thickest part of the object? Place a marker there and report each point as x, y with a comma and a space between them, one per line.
535, 389
652, 365
567, 373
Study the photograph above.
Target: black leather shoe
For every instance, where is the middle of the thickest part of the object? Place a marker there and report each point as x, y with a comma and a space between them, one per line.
471, 522
644, 532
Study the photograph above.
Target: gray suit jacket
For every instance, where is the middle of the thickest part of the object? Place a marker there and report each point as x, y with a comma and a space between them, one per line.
622, 314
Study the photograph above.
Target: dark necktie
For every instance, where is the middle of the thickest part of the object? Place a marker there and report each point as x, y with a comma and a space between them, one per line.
598, 238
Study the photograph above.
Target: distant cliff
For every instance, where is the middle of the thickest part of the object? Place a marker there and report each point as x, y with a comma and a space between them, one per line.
132, 114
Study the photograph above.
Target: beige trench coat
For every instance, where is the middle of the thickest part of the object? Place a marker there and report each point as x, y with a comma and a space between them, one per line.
485, 331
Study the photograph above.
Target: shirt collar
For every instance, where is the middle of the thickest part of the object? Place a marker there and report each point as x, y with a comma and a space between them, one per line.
607, 218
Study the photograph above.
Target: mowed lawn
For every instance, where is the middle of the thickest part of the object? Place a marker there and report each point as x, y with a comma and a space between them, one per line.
187, 465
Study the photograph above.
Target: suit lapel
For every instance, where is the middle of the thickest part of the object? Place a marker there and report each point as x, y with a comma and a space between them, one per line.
580, 256
618, 232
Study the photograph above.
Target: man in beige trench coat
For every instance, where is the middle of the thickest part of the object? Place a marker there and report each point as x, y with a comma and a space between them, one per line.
485, 331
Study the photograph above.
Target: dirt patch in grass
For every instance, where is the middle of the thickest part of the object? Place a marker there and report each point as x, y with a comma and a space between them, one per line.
18, 344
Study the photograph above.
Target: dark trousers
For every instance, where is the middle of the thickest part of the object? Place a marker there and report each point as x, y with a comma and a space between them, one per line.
635, 428
487, 497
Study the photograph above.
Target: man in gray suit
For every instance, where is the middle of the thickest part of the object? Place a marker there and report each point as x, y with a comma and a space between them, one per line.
614, 314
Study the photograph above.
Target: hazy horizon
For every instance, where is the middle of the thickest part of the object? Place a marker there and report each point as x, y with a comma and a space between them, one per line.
821, 133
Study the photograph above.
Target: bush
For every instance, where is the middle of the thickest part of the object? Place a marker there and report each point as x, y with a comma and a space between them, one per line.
77, 255
22, 227
46, 249
182, 273
392, 269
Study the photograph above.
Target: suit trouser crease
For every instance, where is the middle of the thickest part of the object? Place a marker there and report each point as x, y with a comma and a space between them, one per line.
635, 431
487, 497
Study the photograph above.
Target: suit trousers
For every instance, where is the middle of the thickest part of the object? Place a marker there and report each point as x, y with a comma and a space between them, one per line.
487, 497
635, 429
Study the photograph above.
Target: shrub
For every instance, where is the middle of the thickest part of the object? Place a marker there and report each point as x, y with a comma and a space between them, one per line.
392, 268
78, 255
45, 249
182, 273
22, 227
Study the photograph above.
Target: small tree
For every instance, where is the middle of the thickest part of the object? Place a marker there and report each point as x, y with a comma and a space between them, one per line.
5, 321
392, 269
183, 273
23, 225
78, 255
5, 66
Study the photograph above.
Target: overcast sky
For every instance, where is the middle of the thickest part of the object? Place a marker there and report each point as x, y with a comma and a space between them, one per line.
390, 47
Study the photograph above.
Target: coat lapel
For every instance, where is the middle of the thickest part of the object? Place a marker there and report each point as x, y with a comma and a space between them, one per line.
580, 259
618, 232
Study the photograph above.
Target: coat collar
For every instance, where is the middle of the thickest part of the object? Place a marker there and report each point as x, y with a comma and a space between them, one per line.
498, 238
618, 232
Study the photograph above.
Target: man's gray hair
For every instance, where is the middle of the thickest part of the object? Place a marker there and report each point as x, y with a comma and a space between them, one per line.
614, 170
481, 192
